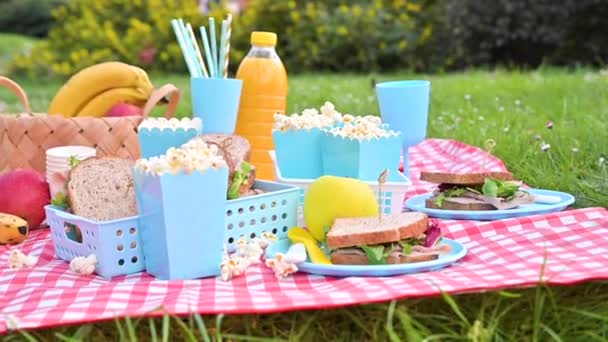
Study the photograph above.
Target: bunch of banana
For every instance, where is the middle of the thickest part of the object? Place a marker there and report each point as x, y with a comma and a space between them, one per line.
13, 229
96, 89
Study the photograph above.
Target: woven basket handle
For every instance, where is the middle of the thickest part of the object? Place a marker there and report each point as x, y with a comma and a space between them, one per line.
160, 94
17, 90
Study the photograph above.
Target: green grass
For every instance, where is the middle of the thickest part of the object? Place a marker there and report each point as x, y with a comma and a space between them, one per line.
11, 44
512, 108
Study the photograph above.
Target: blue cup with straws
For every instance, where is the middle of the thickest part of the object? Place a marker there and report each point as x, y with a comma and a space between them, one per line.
404, 105
216, 102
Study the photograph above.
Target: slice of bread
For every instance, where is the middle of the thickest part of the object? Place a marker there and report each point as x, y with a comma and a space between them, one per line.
345, 258
102, 189
460, 203
463, 178
350, 232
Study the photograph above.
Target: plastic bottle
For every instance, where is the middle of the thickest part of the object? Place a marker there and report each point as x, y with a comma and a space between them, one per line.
264, 94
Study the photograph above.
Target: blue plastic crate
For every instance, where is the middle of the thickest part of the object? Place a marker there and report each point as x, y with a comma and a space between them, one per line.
116, 244
274, 211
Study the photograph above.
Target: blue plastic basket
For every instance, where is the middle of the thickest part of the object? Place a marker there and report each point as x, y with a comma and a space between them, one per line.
274, 211
116, 244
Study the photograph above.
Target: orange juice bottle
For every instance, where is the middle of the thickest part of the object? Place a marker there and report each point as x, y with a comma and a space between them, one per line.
264, 94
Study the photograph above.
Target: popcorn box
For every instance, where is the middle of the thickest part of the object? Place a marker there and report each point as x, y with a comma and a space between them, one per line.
363, 159
182, 222
298, 152
156, 138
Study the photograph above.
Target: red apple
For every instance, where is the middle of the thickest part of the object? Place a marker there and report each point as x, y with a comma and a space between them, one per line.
124, 109
24, 193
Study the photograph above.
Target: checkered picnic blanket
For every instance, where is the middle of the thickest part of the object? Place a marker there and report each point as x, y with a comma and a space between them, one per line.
561, 248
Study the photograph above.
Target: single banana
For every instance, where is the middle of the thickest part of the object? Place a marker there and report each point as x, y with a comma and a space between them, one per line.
13, 229
103, 102
91, 81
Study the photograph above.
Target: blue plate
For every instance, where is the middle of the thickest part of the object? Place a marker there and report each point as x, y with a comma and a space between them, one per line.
458, 251
416, 203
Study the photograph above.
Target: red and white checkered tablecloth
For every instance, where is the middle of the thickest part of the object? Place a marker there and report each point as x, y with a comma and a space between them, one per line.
572, 246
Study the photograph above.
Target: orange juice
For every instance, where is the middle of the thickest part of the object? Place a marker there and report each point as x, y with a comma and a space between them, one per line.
264, 94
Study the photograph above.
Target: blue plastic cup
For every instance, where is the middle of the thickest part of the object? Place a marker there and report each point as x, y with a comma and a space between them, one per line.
404, 105
216, 102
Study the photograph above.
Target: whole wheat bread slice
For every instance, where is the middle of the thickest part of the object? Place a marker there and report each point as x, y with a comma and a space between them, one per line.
350, 232
341, 258
460, 203
102, 189
235, 150
462, 178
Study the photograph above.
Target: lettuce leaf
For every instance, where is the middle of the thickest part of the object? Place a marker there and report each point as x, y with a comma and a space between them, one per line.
375, 254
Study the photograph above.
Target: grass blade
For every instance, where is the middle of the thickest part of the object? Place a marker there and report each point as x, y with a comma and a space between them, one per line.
121, 331
551, 333
448, 299
304, 327
218, 327
202, 328
189, 333
130, 329
153, 335
389, 322
412, 332
165, 328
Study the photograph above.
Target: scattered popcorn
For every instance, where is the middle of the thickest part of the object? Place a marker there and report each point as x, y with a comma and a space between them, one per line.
506, 129
84, 265
467, 97
11, 322
363, 129
575, 149
501, 109
266, 239
517, 102
250, 250
550, 124
545, 147
233, 266
173, 123
18, 260
247, 253
194, 155
281, 266
601, 161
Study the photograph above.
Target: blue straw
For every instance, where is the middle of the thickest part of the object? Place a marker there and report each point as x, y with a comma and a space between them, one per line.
189, 45
182, 45
213, 43
207, 52
220, 61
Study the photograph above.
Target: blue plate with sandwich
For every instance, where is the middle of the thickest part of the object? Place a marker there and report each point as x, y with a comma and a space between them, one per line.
402, 243
484, 196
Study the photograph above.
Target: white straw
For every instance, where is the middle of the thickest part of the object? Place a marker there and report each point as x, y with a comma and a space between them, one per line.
227, 49
198, 51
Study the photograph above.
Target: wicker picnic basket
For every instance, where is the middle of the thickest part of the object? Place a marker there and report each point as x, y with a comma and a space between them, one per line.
25, 137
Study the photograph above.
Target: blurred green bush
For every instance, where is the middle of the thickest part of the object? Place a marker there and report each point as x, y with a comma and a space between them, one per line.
27, 17
91, 31
339, 35
334, 35
522, 32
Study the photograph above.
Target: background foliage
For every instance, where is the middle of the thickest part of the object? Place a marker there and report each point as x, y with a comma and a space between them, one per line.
333, 35
27, 17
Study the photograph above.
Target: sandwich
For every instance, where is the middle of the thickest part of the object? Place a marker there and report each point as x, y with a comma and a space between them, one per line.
102, 189
236, 151
395, 239
475, 191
